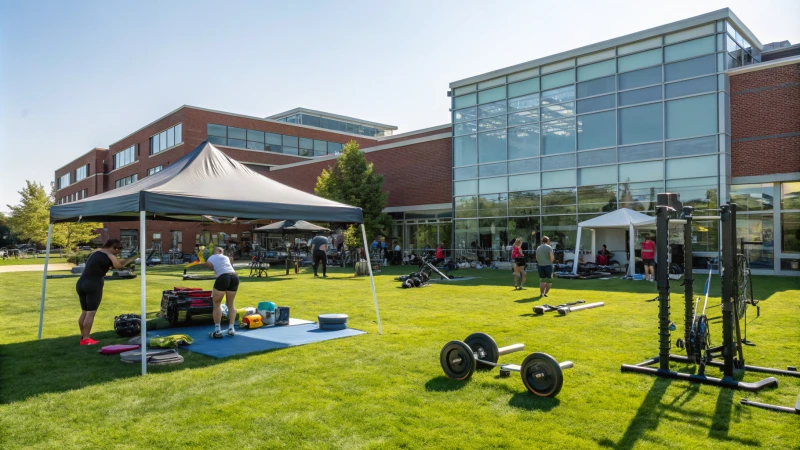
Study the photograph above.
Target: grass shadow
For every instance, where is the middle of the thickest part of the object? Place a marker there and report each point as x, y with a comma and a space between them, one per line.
444, 384
646, 419
526, 400
529, 300
720, 424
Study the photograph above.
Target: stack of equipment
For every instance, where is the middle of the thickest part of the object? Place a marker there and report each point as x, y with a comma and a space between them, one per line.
187, 306
332, 321
267, 312
127, 325
282, 315
154, 357
252, 321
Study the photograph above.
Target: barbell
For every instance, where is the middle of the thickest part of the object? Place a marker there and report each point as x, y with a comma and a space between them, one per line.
541, 374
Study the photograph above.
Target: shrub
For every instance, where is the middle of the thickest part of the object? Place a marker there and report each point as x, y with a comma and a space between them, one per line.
78, 258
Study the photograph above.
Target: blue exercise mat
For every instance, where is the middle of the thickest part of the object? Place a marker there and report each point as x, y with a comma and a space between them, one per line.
251, 341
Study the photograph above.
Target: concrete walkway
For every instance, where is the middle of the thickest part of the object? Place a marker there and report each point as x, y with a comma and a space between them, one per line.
36, 267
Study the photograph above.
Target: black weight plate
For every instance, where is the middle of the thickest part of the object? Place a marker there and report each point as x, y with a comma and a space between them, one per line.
542, 375
485, 348
457, 360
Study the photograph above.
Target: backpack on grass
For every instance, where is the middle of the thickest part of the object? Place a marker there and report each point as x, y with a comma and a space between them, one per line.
127, 325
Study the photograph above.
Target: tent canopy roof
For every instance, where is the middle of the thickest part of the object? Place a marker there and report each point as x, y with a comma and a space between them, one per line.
290, 225
622, 218
205, 182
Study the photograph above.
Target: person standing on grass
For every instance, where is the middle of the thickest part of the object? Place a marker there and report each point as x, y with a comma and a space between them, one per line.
90, 284
519, 264
319, 249
226, 285
649, 258
544, 261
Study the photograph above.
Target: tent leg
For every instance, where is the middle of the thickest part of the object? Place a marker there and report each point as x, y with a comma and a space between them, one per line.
371, 278
143, 265
632, 257
44, 279
577, 252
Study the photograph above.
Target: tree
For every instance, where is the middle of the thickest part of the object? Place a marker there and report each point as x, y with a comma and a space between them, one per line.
6, 238
29, 220
353, 181
69, 235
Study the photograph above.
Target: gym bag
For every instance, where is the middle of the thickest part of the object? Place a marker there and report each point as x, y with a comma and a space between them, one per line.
127, 325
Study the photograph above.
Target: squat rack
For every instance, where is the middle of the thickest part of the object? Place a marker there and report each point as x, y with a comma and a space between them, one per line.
669, 204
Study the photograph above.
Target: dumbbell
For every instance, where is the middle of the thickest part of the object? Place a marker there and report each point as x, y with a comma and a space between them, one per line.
541, 373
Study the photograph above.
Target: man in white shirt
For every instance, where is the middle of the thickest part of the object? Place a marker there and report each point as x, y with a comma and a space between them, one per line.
226, 285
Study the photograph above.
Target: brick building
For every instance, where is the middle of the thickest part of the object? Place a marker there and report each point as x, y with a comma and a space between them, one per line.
699, 107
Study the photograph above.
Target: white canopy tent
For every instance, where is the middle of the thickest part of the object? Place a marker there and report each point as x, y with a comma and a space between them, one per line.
203, 182
621, 219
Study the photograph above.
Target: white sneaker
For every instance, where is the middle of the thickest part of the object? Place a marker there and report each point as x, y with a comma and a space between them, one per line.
231, 332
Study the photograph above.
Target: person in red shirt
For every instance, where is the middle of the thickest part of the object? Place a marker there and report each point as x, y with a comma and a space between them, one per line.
440, 253
649, 258
519, 264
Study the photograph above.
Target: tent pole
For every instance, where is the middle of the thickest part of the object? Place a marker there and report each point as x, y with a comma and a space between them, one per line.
143, 259
44, 278
632, 257
577, 252
371, 278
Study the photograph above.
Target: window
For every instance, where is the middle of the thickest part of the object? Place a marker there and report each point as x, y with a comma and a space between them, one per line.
334, 148
81, 173
492, 146
597, 175
154, 170
524, 203
558, 162
492, 170
558, 136
167, 139
688, 147
63, 181
523, 165
639, 60
692, 116
492, 205
598, 157
640, 124
176, 240
693, 86
524, 182
522, 103
523, 117
596, 103
559, 178
790, 196
466, 207
465, 173
558, 79
552, 112
596, 87
465, 150
564, 94
597, 130
492, 95
690, 68
689, 49
643, 171
523, 142
126, 181
465, 128
492, 123
465, 114
597, 199
558, 201
753, 197
125, 157
640, 152
645, 95
523, 87
597, 70
639, 78
491, 185
639, 196
465, 100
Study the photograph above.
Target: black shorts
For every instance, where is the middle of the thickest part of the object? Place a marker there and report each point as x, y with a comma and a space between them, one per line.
227, 282
320, 257
649, 262
520, 262
90, 293
545, 271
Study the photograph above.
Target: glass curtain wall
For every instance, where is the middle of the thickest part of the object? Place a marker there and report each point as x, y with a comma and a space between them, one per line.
568, 141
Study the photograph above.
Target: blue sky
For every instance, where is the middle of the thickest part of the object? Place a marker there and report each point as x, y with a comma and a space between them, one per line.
75, 75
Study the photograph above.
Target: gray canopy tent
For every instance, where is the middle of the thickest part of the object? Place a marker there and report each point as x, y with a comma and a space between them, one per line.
202, 183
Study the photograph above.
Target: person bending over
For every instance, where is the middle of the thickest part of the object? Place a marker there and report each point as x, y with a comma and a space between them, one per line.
226, 285
90, 284
544, 260
519, 264
649, 258
319, 248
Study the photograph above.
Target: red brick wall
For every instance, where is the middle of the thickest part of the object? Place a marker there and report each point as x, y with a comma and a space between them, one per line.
94, 184
765, 103
415, 174
112, 230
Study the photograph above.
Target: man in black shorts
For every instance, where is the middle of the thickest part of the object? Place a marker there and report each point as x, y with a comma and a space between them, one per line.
90, 284
319, 249
544, 261
226, 285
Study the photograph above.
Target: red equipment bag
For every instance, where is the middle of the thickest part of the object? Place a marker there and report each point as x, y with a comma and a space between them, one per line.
602, 260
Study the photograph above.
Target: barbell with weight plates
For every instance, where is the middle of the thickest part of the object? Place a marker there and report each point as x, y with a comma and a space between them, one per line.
541, 374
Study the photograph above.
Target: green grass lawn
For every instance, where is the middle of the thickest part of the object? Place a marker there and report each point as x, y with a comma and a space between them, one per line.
26, 261
388, 391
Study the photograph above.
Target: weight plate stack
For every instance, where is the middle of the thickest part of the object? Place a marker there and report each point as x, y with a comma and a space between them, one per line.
485, 348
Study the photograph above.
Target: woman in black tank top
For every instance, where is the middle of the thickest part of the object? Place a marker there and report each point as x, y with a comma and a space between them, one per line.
90, 284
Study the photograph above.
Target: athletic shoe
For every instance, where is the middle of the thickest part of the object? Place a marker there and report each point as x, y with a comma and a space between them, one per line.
545, 295
215, 334
231, 332
88, 341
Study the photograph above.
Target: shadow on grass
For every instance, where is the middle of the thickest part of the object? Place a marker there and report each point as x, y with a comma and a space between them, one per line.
535, 298
444, 384
526, 400
646, 419
720, 425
